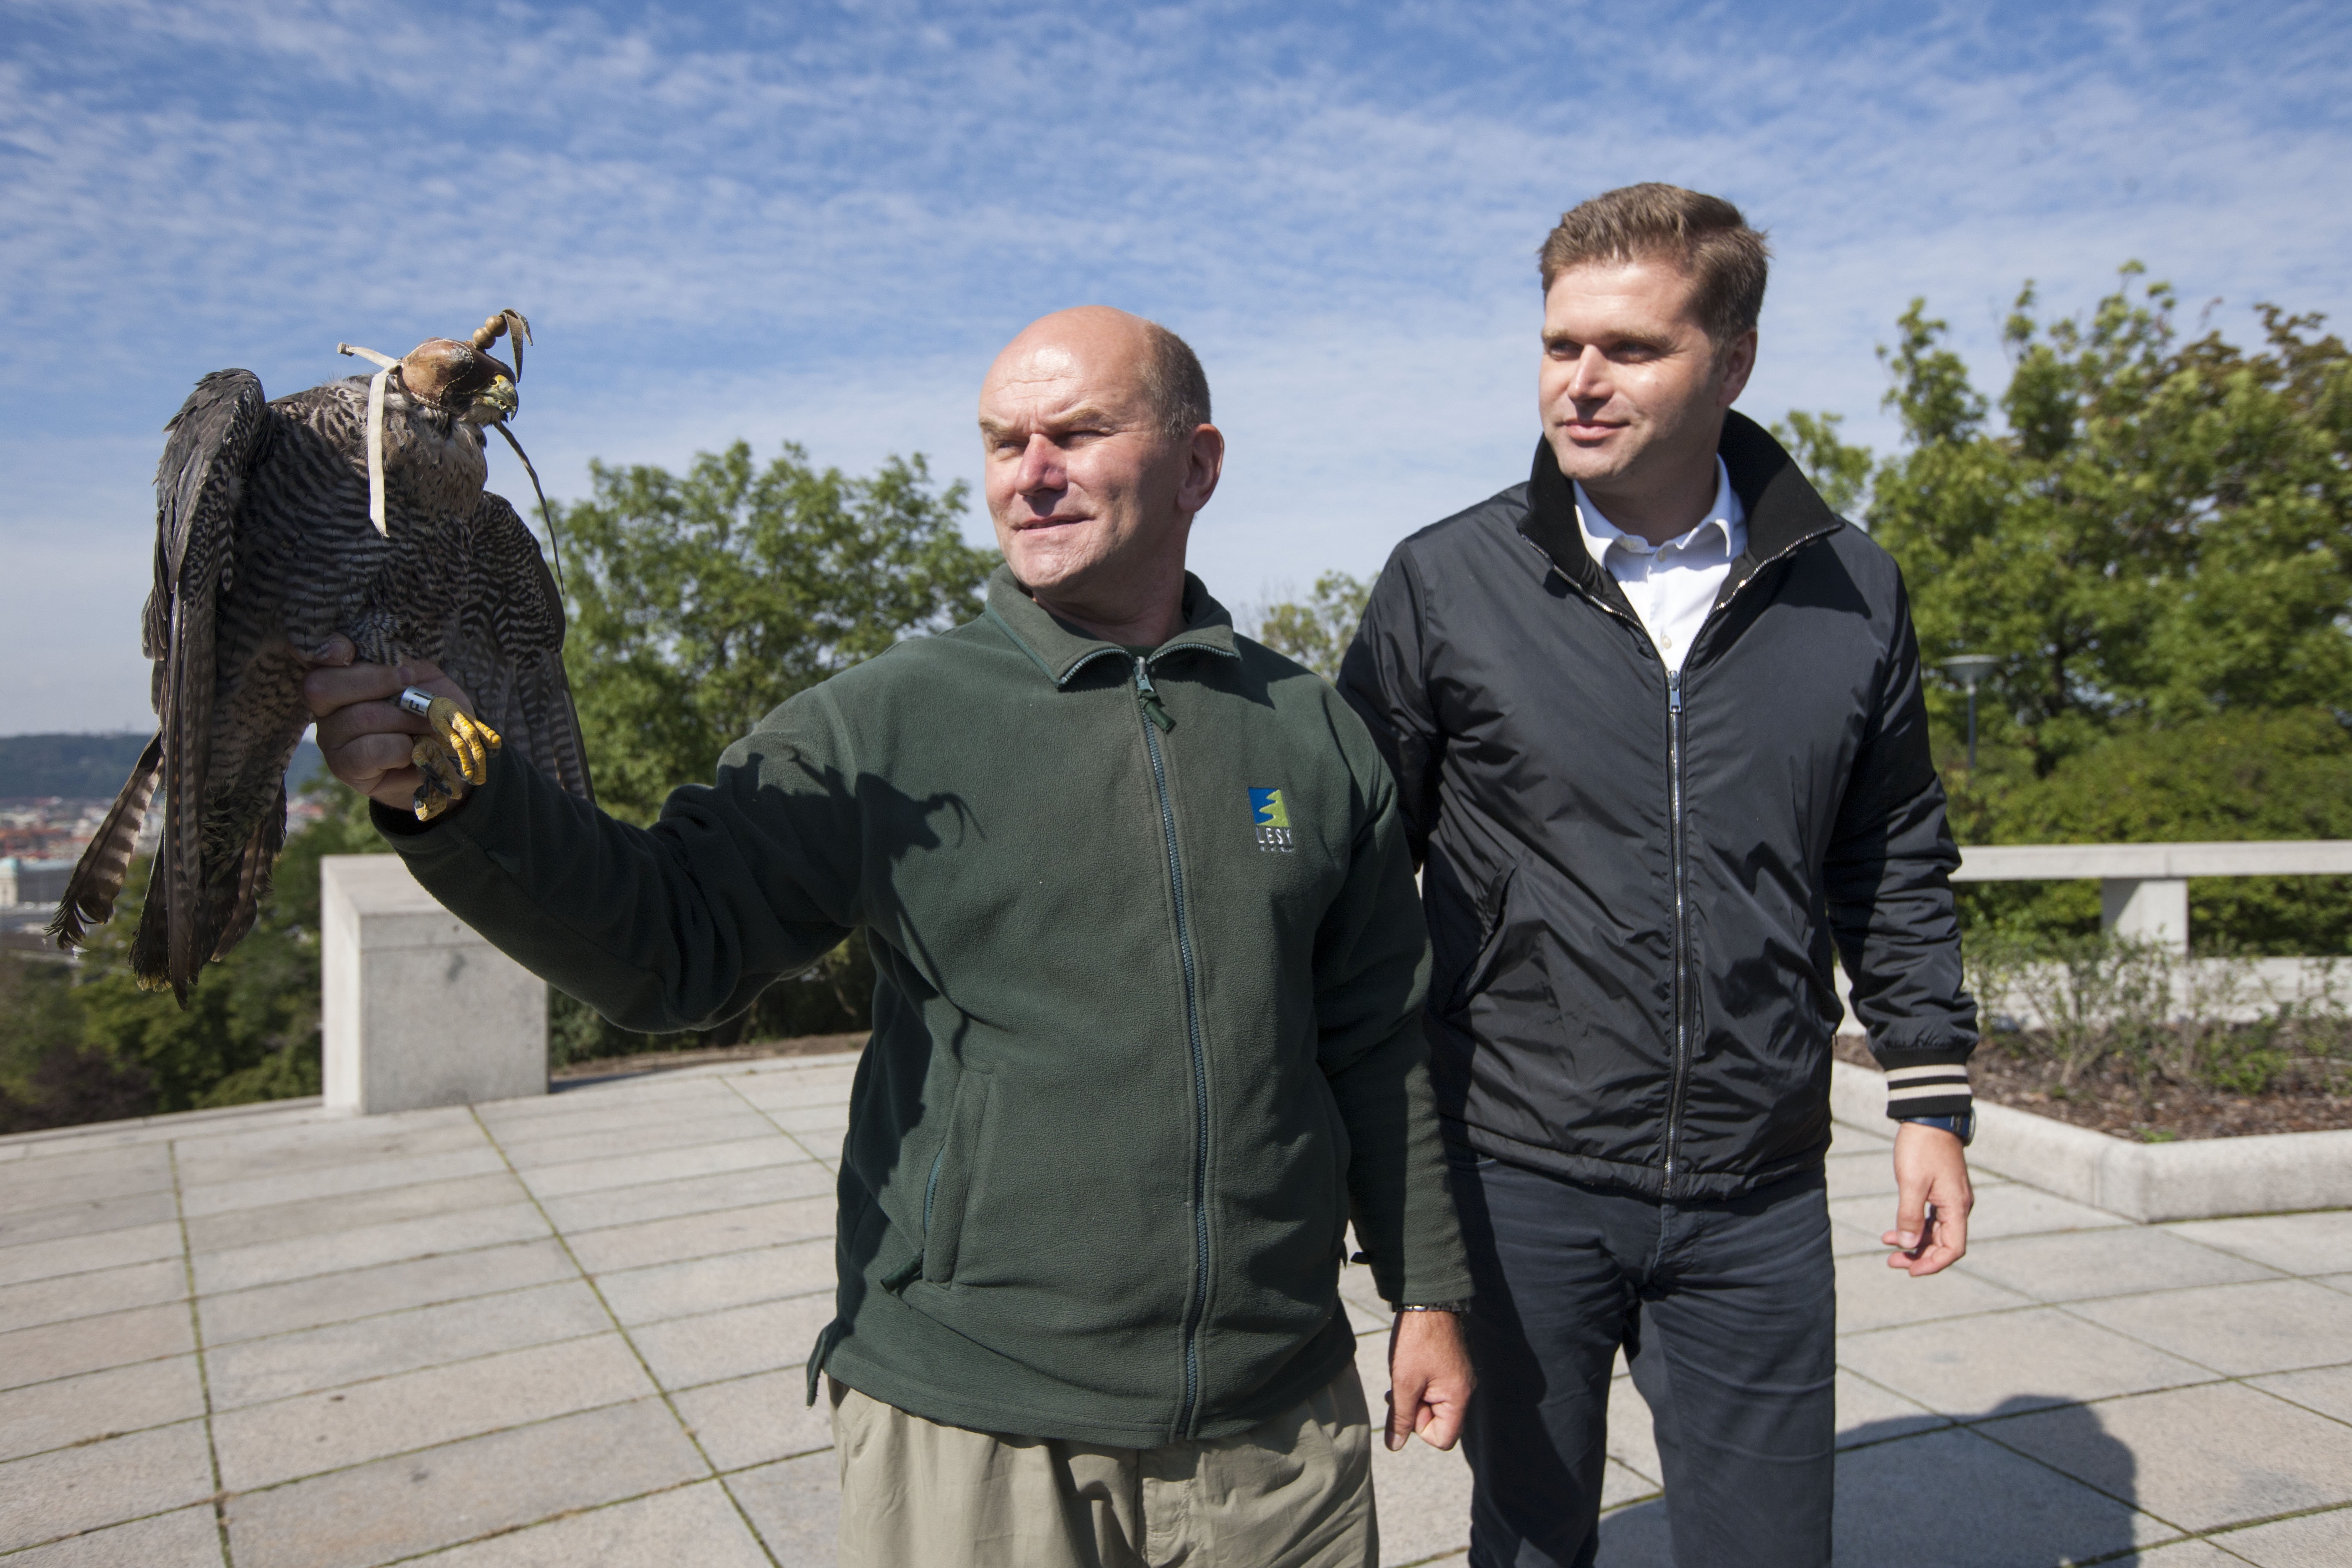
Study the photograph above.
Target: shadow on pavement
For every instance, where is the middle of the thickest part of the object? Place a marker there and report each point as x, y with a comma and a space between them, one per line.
1950, 1498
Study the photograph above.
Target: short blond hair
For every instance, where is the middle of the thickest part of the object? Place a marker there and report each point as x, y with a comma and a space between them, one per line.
1704, 236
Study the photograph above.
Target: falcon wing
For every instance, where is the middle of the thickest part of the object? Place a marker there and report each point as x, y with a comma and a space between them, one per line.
505, 646
199, 487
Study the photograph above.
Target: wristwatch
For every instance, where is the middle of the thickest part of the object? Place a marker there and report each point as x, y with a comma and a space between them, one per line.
1962, 1126
1457, 1307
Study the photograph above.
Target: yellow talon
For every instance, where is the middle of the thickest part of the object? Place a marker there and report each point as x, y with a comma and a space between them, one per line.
457, 754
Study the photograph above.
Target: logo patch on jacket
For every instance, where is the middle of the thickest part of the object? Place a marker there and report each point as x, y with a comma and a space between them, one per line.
1272, 819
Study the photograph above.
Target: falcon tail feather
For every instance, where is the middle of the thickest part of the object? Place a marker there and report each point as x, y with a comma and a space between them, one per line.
97, 879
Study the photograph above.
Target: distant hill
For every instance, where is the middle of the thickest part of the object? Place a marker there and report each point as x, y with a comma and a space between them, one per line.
92, 767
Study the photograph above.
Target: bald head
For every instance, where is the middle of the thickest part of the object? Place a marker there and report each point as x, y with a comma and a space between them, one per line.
1166, 373
1095, 425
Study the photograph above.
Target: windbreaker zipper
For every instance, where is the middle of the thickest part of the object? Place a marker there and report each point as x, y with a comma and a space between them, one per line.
1680, 1071
1156, 723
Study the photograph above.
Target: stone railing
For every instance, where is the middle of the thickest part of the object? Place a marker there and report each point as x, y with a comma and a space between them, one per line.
415, 1009
2143, 887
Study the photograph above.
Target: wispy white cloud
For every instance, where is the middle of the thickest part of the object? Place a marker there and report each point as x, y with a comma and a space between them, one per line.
817, 222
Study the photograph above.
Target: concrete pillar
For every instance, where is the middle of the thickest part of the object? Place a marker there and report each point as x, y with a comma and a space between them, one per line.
2147, 909
416, 1009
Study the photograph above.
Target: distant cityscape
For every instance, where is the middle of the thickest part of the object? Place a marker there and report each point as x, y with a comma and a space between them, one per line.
43, 835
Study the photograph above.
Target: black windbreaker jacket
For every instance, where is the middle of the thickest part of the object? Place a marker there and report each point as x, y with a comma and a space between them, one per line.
1634, 880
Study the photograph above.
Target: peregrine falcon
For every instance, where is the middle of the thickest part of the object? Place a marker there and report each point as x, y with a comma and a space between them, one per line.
354, 507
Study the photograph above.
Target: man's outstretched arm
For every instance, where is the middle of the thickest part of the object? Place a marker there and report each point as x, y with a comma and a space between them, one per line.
659, 929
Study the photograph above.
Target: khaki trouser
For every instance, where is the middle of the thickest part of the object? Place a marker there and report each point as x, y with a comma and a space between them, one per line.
1294, 1491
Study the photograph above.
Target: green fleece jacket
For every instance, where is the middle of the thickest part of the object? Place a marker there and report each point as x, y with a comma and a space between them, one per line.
1147, 1024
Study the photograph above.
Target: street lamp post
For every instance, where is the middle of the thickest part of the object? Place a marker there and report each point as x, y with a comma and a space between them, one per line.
1971, 669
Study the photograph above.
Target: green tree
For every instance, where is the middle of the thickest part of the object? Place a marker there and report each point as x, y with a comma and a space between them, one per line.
1317, 633
1840, 472
2157, 543
702, 601
2163, 531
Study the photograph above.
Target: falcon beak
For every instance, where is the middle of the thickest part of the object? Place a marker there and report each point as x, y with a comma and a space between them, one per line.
493, 403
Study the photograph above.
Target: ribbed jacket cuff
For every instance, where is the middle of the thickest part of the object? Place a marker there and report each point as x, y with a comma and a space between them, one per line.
1939, 1090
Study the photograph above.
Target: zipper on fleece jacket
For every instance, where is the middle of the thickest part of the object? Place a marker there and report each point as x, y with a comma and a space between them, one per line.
1157, 721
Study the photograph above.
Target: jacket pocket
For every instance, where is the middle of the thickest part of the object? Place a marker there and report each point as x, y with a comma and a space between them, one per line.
954, 1169
1492, 929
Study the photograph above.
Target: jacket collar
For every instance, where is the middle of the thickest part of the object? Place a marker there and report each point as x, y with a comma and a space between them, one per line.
1059, 649
1784, 511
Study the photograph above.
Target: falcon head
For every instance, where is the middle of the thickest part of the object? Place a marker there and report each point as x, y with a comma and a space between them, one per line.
458, 379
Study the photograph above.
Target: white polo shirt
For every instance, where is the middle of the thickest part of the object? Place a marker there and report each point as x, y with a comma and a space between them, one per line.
1672, 585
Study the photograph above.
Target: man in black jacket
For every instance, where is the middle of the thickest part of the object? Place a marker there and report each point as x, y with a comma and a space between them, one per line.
1657, 724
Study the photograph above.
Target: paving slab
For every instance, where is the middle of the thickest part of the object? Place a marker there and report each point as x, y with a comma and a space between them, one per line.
2081, 1264
263, 1445
696, 1525
721, 1124
617, 1247
2014, 1209
796, 1505
2012, 1360
780, 1092
1945, 1481
70, 1410
563, 1114
329, 1146
669, 1164
325, 1182
2318, 1243
2314, 1541
2198, 1457
74, 1178
2177, 1554
328, 1298
271, 1262
2275, 1325
1868, 1175
1632, 1440
257, 1371
1870, 1295
86, 1254
709, 1284
1868, 1412
685, 1352
89, 1217
232, 1229
462, 1491
690, 1194
812, 1119
645, 1092
91, 1344
188, 1538
69, 1490
2326, 1389
757, 1420
1845, 1138
42, 1302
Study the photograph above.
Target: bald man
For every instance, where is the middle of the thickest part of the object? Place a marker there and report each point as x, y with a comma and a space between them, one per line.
1147, 1027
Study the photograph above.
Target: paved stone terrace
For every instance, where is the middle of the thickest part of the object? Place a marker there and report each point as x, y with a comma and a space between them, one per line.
568, 1331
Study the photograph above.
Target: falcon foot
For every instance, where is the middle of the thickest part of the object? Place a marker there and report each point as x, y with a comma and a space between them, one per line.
455, 756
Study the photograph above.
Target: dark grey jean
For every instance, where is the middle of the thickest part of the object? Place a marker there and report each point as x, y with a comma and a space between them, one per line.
1728, 1311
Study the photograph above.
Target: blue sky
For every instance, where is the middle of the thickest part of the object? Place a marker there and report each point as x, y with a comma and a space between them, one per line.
817, 222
